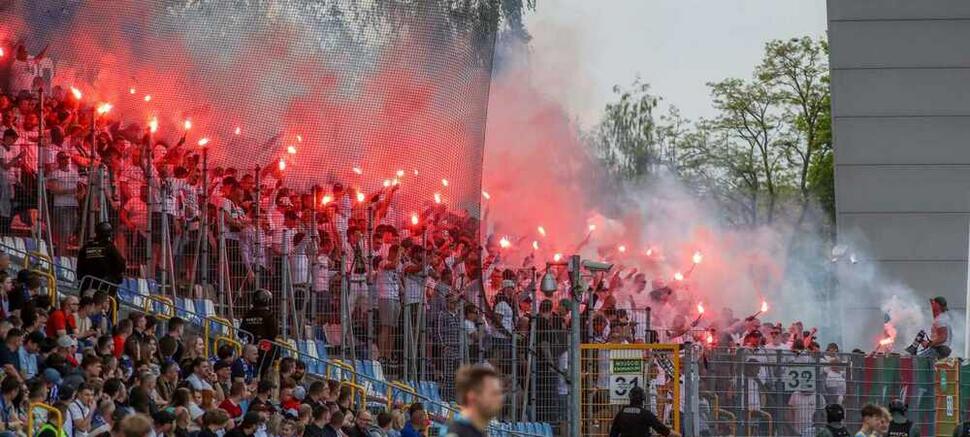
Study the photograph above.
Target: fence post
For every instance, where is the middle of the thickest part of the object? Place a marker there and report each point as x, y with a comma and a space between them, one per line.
575, 403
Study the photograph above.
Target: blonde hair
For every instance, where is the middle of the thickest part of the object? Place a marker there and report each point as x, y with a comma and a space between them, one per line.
397, 420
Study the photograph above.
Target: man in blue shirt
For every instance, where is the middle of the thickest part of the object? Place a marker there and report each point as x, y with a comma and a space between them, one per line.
28, 354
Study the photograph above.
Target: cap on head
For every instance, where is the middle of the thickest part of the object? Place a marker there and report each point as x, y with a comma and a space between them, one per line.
940, 300
103, 230
897, 406
637, 396
834, 413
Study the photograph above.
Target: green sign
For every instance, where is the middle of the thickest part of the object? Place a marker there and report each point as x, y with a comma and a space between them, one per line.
627, 366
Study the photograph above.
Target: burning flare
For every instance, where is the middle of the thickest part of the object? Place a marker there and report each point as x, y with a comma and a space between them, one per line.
437, 198
358, 170
414, 218
557, 257
697, 258
400, 173
700, 308
187, 125
649, 251
148, 97
621, 248
77, 93
299, 139
592, 227
535, 245
764, 306
486, 195
887, 341
542, 230
360, 197
153, 125
678, 276
131, 90
238, 130
326, 199
386, 183
104, 108
504, 243
444, 182
709, 339
282, 164
203, 142
291, 150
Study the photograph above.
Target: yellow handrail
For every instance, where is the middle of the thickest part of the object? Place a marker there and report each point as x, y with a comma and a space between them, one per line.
114, 310
59, 419
391, 385
763, 414
42, 256
51, 284
207, 328
167, 303
342, 365
223, 339
360, 390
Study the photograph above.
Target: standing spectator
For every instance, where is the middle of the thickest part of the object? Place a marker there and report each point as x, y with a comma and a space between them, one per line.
10, 162
63, 184
389, 301
26, 69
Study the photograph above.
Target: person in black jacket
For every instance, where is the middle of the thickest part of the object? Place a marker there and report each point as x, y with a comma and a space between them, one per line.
260, 322
634, 420
99, 258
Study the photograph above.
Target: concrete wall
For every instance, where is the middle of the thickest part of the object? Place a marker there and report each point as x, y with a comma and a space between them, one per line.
901, 120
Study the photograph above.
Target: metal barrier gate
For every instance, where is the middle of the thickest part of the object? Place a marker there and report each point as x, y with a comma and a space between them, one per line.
609, 371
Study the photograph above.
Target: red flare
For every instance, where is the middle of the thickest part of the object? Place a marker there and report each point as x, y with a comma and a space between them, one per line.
710, 338
535, 245
444, 182
400, 173
282, 164
203, 142
764, 306
360, 197
77, 93
387, 183
678, 276
887, 341
153, 125
238, 130
592, 227
504, 243
299, 138
148, 97
486, 195
437, 198
104, 108
326, 199
700, 307
542, 230
291, 150
187, 125
358, 170
621, 248
131, 90
414, 218
557, 257
697, 258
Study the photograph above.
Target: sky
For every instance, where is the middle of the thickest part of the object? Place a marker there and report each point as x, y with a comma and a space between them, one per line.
581, 48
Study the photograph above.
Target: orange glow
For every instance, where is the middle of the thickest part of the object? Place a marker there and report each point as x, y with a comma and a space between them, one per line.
414, 218
400, 173
282, 164
326, 199
557, 257
535, 245
504, 243
444, 182
358, 170
697, 258
131, 90
148, 97
486, 195
621, 248
887, 341
710, 338
153, 125
238, 130
764, 306
187, 125
542, 230
1, 52
77, 93
700, 308
203, 142
104, 108
291, 150
592, 227
387, 183
679, 276
360, 197
395, 181
437, 198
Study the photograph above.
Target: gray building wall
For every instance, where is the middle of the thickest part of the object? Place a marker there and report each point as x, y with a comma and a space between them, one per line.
901, 126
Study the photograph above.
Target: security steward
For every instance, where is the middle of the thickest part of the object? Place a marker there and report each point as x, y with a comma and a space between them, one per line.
99, 258
834, 426
900, 426
634, 420
260, 322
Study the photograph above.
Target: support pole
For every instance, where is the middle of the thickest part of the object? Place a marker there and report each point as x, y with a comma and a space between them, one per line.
575, 404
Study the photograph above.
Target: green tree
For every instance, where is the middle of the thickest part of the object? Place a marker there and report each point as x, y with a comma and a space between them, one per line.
626, 139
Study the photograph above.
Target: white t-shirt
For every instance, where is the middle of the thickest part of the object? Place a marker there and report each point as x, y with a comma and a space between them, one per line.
65, 180
22, 74
75, 411
389, 283
943, 320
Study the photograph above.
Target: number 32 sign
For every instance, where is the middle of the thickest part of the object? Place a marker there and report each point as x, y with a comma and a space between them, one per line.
799, 378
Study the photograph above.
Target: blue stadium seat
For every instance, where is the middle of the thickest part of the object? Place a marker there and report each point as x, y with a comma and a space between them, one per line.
322, 351
66, 268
